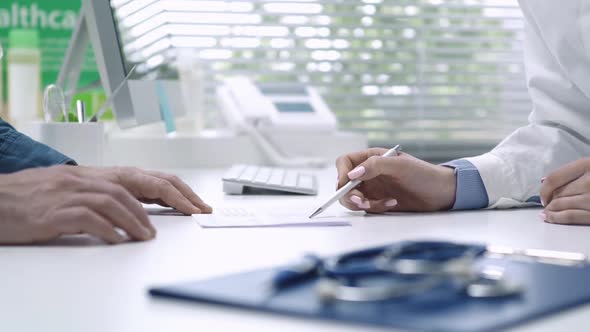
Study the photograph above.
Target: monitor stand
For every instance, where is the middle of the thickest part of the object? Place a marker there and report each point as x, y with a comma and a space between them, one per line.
69, 73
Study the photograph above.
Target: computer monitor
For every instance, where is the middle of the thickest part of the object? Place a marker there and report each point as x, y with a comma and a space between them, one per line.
137, 102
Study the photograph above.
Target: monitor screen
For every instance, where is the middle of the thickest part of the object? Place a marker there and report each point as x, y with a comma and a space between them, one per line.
127, 65
144, 38
112, 27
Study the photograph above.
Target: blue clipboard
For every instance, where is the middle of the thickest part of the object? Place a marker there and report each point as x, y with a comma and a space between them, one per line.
548, 289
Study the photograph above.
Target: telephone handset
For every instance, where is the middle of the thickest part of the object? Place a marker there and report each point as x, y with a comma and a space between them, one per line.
245, 102
263, 109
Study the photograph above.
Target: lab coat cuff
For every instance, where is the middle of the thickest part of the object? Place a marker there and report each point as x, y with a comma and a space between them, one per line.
496, 175
470, 190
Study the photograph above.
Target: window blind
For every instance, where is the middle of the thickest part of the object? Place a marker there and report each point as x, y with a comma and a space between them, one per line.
442, 78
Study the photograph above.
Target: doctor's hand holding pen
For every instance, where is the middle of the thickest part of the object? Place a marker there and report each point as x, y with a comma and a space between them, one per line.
41, 204
405, 183
396, 183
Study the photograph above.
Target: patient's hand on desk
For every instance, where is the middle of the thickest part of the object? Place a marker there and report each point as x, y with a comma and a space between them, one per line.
566, 194
151, 187
400, 183
41, 204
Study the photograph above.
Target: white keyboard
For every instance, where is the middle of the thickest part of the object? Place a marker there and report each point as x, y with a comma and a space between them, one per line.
240, 178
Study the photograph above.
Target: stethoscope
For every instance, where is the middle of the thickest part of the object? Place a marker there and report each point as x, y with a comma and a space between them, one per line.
407, 269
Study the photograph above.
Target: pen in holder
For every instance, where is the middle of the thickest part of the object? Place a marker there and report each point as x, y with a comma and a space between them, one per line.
81, 111
83, 142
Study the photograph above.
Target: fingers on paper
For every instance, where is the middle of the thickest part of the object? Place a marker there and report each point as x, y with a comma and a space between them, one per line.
185, 190
154, 188
356, 201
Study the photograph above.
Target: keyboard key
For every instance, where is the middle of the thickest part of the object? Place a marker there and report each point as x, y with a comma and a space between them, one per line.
235, 172
276, 179
305, 181
249, 173
263, 175
290, 179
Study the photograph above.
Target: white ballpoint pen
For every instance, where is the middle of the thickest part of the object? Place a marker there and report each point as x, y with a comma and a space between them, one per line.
349, 186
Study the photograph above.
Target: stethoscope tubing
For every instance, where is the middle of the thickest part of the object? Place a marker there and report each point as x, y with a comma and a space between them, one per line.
446, 261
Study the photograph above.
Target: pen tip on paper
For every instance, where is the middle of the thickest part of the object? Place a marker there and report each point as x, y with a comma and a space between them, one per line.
315, 213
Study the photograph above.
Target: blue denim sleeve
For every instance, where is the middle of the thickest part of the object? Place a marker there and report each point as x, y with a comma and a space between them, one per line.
18, 152
471, 192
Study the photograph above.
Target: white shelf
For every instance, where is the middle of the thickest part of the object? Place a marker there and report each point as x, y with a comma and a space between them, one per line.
220, 149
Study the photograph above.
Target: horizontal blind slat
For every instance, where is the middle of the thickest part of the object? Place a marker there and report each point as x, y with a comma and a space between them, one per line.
416, 72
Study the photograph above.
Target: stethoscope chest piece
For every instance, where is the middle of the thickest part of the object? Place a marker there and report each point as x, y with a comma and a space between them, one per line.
410, 269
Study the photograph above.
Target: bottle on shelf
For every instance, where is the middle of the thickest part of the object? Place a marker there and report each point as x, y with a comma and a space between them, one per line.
23, 62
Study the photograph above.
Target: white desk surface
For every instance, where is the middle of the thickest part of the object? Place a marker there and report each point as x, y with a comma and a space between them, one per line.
78, 284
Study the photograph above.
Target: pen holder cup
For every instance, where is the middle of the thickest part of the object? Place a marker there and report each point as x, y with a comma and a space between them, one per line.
83, 142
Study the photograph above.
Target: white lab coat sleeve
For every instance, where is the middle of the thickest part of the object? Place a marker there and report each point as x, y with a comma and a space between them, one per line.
558, 130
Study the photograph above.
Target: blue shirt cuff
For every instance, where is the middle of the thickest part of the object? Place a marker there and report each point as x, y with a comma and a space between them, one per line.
471, 192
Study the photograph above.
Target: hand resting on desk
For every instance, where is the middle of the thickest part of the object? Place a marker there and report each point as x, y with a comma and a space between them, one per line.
150, 187
37, 205
565, 193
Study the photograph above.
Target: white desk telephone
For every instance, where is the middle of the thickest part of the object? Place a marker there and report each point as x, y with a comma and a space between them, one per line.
262, 109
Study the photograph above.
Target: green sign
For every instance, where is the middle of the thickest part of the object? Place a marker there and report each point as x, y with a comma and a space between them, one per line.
55, 21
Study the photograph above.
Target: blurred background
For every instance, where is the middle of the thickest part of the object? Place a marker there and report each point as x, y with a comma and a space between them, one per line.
443, 78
